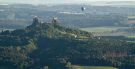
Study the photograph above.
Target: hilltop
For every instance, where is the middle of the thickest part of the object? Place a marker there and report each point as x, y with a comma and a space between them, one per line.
52, 45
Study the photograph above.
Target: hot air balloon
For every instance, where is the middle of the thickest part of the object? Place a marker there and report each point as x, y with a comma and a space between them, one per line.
83, 8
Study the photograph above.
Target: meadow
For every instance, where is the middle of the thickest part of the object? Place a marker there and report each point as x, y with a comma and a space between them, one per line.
131, 17
93, 67
102, 29
131, 36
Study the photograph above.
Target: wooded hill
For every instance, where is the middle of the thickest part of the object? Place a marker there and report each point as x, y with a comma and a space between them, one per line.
49, 44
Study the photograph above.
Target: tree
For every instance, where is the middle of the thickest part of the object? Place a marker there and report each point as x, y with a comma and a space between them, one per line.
69, 65
6, 32
45, 67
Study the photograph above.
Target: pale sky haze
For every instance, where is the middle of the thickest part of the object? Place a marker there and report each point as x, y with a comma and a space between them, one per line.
54, 1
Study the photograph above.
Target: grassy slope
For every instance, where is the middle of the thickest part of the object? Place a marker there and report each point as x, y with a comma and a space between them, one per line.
93, 67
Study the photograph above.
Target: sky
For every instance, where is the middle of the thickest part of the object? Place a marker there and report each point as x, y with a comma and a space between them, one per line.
54, 1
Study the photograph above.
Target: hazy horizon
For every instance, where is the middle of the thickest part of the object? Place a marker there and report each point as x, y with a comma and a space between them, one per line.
56, 1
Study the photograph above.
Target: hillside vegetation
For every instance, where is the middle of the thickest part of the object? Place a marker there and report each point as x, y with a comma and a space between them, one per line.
49, 45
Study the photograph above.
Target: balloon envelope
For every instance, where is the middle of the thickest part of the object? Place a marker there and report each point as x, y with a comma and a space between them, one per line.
83, 8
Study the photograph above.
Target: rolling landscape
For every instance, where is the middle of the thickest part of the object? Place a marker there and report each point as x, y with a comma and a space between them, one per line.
67, 36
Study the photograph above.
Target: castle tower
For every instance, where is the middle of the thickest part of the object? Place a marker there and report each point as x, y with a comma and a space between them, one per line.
55, 20
35, 21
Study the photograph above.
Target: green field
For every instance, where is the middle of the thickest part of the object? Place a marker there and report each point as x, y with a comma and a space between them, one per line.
101, 29
130, 17
93, 67
131, 36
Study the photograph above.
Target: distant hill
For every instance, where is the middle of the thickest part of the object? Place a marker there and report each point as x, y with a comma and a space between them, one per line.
14, 16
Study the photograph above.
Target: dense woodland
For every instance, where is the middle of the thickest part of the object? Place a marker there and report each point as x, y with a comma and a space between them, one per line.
49, 45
